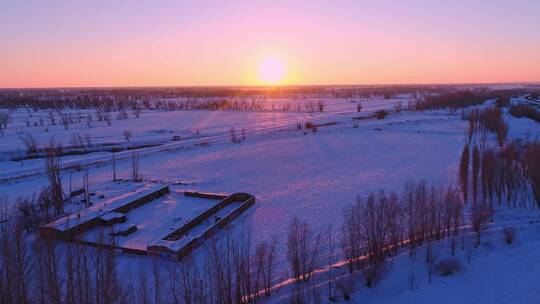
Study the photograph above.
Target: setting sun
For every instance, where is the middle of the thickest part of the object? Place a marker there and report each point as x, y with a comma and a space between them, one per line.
271, 70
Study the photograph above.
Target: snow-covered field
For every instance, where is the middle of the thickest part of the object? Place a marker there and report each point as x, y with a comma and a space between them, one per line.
299, 173
291, 172
162, 130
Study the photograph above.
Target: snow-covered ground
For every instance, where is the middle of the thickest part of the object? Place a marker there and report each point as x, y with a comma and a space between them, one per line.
163, 130
300, 173
492, 272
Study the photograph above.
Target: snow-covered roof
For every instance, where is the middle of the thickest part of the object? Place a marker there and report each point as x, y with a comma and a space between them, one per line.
102, 208
111, 216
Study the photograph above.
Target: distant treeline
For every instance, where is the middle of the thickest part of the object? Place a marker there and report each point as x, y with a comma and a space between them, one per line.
465, 98
93, 97
520, 111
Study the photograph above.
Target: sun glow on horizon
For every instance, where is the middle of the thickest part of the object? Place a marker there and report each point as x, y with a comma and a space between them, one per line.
271, 70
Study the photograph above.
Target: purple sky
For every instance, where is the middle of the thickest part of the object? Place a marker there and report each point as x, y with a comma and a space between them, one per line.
128, 42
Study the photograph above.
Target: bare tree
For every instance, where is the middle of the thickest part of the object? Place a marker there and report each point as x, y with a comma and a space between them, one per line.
479, 217
5, 120
531, 161
77, 140
107, 117
302, 249
475, 170
320, 105
22, 265
265, 259
30, 142
82, 285
489, 163
351, 241
88, 140
29, 213
114, 166
52, 118
65, 118
415, 206
456, 215
142, 294
156, 275
243, 261
373, 233
234, 137
137, 110
108, 288
464, 171
221, 257
394, 223
399, 107
6, 256
49, 262
189, 283
89, 120
52, 168
135, 176
331, 296
86, 187
502, 132
127, 135
70, 274
122, 114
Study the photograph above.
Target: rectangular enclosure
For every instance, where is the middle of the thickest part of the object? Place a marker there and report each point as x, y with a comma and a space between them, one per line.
151, 220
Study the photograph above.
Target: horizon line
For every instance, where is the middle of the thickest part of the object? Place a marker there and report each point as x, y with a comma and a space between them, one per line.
537, 82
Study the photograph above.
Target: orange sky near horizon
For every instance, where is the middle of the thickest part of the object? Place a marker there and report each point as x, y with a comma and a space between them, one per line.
178, 43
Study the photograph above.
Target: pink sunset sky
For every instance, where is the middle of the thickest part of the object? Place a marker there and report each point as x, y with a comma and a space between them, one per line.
65, 43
